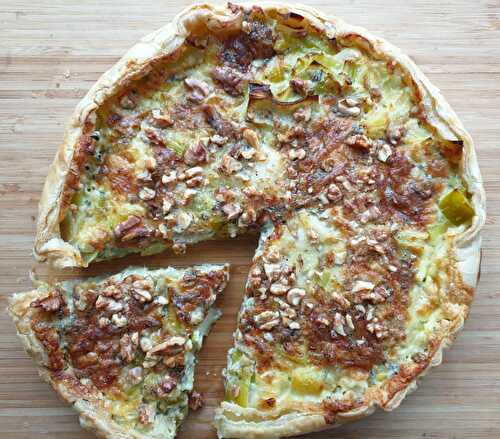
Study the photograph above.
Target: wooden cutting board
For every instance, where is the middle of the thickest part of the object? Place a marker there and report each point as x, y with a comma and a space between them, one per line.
50, 54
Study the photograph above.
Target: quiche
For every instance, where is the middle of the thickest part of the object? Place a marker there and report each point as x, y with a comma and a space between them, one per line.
331, 143
122, 349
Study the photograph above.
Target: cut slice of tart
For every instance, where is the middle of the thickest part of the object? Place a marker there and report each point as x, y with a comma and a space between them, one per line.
122, 349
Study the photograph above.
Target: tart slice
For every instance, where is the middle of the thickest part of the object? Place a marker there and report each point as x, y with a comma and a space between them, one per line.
122, 349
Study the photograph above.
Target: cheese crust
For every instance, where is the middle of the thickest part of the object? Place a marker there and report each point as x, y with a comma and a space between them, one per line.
463, 244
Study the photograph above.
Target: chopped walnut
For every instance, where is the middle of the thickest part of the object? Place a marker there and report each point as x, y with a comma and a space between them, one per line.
287, 311
267, 320
371, 214
51, 303
250, 191
183, 221
107, 304
119, 320
338, 324
273, 271
199, 89
302, 114
295, 295
142, 296
296, 154
195, 154
147, 194
345, 110
378, 295
193, 172
169, 178
168, 203
136, 233
229, 165
103, 322
232, 210
248, 217
179, 248
218, 140
379, 329
87, 360
248, 153
195, 400
128, 346
360, 308
195, 182
299, 86
359, 141
341, 300
126, 225
333, 192
113, 291
291, 135
384, 152
171, 346
395, 133
161, 119
127, 102
230, 79
278, 289
188, 196
362, 285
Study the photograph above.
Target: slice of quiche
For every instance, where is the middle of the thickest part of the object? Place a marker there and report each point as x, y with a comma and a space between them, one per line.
338, 319
122, 349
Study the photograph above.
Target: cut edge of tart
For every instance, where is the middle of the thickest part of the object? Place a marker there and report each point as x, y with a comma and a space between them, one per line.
122, 349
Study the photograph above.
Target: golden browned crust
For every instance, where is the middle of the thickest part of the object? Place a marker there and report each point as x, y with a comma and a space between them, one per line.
232, 420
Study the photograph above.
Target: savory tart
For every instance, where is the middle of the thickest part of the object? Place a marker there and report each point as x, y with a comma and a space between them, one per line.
122, 349
329, 140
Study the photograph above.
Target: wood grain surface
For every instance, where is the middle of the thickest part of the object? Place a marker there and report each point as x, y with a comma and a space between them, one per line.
50, 54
